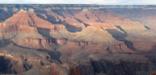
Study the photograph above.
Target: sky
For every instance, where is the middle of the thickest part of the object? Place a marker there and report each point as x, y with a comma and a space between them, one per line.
103, 2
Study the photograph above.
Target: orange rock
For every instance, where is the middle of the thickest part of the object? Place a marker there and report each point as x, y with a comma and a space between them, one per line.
54, 69
28, 18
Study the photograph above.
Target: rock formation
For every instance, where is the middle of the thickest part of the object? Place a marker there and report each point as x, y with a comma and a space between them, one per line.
44, 41
26, 24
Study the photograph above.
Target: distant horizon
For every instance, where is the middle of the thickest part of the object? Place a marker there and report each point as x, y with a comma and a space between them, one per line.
77, 6
98, 2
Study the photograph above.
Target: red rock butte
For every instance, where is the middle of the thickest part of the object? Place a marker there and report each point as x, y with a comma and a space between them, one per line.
28, 19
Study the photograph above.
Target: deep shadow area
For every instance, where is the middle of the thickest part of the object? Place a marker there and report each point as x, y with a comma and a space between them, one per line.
55, 56
151, 55
117, 34
121, 37
71, 28
45, 15
45, 33
5, 14
148, 28
120, 28
26, 65
121, 68
6, 66
109, 67
4, 43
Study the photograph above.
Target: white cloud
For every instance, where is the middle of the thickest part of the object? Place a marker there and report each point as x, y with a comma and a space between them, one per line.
116, 2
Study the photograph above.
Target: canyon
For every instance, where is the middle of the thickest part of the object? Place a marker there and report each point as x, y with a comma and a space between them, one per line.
43, 40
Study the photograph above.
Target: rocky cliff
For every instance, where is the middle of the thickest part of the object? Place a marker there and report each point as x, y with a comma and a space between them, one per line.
24, 26
45, 41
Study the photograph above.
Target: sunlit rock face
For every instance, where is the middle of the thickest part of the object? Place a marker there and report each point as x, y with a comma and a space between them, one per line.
24, 32
43, 40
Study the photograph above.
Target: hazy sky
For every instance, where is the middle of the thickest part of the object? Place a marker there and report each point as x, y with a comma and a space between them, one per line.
115, 2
